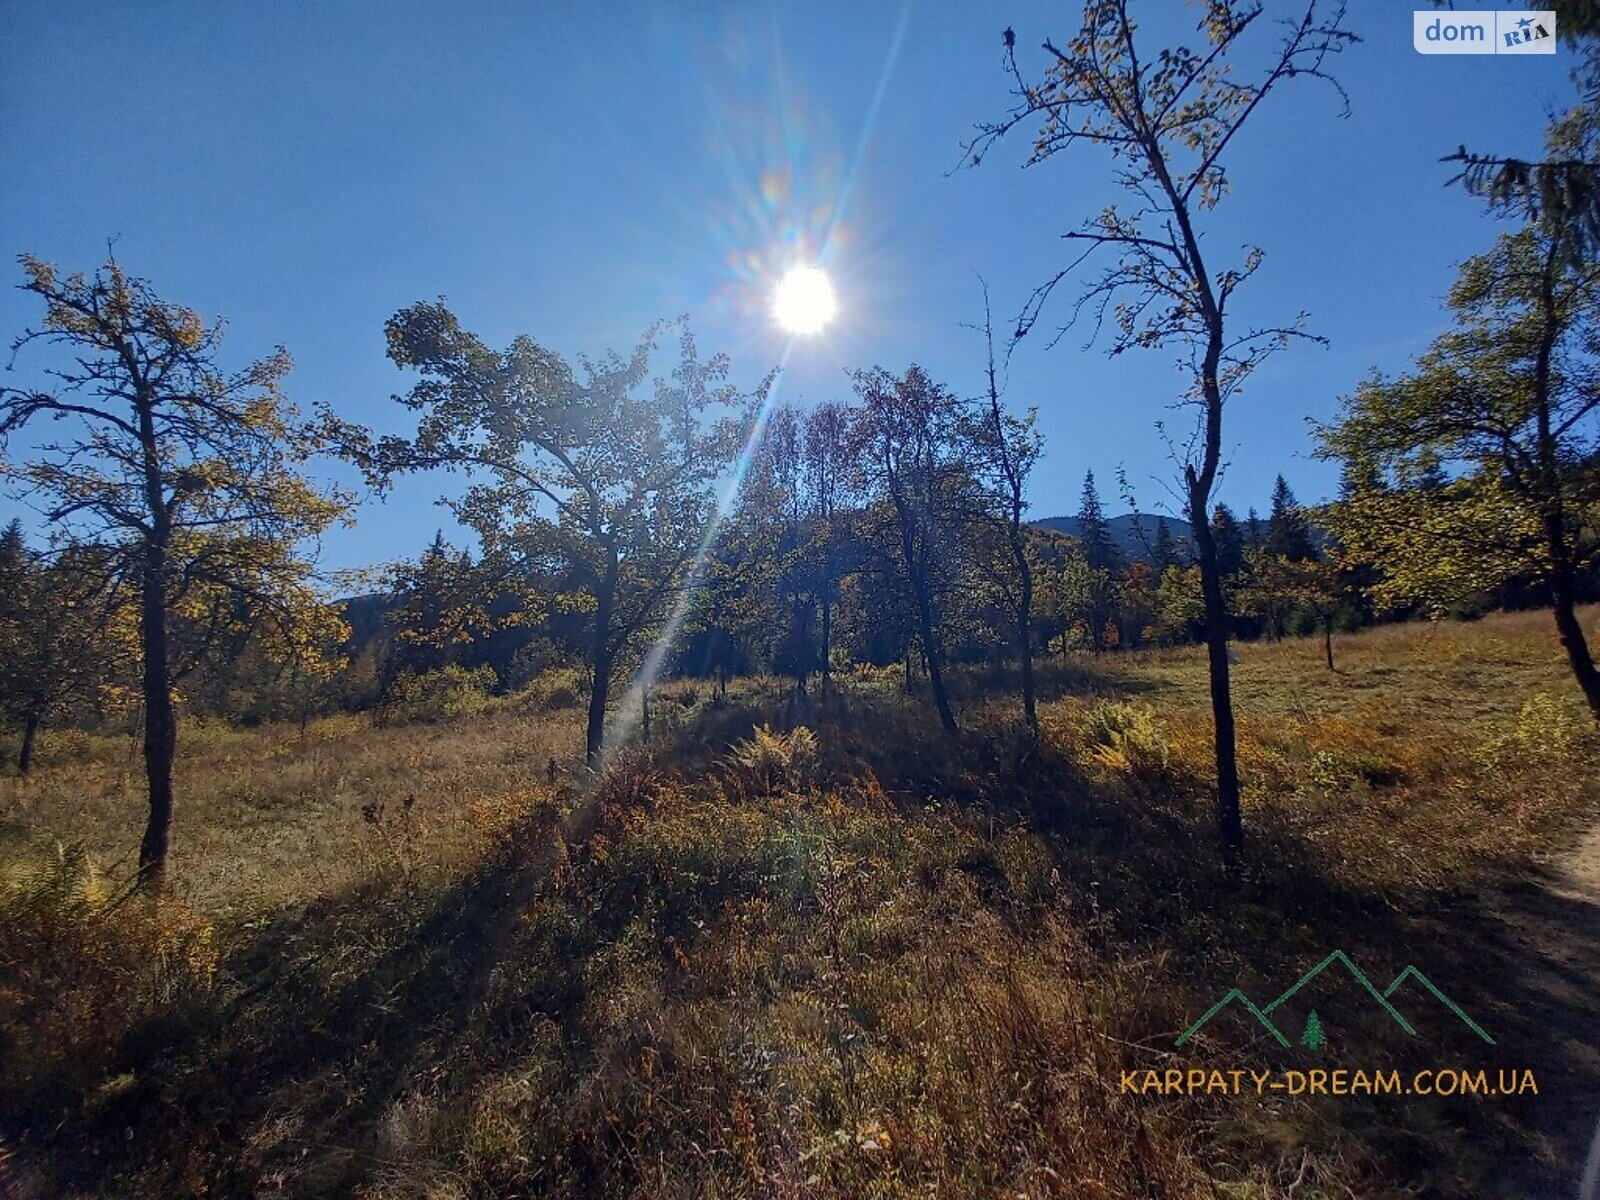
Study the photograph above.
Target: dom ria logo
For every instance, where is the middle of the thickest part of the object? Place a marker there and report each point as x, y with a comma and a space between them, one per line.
1484, 32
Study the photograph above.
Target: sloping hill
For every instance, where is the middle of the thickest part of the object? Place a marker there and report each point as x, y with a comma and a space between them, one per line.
1135, 533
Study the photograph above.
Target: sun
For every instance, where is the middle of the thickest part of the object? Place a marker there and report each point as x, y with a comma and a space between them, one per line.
803, 302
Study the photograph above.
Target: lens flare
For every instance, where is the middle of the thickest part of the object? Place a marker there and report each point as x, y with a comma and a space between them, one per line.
804, 300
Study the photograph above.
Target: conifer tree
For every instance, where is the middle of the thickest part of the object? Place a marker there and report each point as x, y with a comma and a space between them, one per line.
1288, 528
1100, 548
1229, 540
1254, 535
1163, 554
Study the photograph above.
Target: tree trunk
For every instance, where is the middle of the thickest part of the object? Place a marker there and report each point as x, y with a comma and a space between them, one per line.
1563, 584
1327, 639
1564, 603
827, 638
30, 730
644, 712
1030, 706
595, 729
600, 656
931, 656
1230, 825
1019, 553
160, 720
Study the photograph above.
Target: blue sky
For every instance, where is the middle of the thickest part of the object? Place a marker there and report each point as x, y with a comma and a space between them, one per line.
576, 171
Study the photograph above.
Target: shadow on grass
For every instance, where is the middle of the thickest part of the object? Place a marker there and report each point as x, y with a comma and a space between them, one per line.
1139, 869
342, 1014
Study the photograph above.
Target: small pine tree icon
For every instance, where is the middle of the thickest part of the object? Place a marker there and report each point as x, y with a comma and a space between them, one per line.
1313, 1039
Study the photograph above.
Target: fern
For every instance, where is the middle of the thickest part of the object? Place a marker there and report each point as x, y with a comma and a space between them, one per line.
773, 761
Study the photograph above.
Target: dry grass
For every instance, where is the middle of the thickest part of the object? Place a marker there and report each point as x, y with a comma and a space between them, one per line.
795, 948
1433, 753
275, 816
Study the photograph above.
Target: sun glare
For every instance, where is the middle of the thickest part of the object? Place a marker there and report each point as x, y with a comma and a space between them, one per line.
804, 300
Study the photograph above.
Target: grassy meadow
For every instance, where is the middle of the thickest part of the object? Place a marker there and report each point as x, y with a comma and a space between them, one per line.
806, 947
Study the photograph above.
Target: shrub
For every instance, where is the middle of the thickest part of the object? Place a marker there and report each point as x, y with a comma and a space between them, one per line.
1125, 736
1546, 731
771, 760
81, 969
437, 695
554, 689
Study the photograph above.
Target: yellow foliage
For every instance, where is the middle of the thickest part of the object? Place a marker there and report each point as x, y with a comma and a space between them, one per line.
772, 760
1125, 736
81, 967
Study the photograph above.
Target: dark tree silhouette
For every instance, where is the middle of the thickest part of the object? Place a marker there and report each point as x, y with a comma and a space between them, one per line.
827, 431
1100, 549
1008, 447
187, 474
1227, 541
589, 472
1168, 118
905, 434
1163, 553
1288, 527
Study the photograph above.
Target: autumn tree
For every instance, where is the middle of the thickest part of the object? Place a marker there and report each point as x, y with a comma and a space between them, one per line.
733, 609
905, 439
1277, 590
878, 619
780, 499
596, 474
1481, 463
450, 604
1261, 594
829, 478
1084, 598
1180, 605
1007, 448
1168, 117
1321, 586
188, 475
60, 637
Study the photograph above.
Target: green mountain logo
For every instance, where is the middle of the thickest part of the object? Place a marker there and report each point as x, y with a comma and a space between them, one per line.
1262, 1015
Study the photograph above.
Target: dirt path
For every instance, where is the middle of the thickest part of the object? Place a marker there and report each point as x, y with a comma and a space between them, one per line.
1579, 879
1578, 876
1539, 949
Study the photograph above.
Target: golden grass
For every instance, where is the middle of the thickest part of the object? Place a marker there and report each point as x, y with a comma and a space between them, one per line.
274, 815
850, 961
